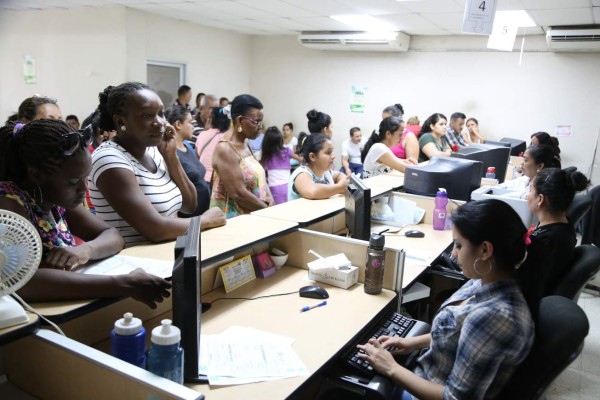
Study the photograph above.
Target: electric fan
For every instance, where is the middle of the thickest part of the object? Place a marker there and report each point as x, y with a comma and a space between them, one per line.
20, 256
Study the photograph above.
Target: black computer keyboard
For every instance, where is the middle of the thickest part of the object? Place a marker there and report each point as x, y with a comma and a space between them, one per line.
393, 324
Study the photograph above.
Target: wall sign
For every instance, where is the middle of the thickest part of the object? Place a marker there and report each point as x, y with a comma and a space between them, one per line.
479, 16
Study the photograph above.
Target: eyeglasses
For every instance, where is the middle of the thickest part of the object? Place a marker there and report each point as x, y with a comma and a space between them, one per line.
255, 122
73, 140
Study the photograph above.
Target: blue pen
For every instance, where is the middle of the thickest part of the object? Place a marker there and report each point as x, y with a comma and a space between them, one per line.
306, 308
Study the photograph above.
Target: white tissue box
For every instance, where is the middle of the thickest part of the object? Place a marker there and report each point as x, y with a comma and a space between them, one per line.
335, 271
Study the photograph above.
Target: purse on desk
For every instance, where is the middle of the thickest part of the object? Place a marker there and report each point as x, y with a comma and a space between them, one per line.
263, 265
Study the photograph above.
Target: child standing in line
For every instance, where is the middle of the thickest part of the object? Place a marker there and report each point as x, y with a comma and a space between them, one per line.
275, 158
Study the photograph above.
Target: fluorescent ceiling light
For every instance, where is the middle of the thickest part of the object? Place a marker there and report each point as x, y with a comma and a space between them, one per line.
516, 17
363, 22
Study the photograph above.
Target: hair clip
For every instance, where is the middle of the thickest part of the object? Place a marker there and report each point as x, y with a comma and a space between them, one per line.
527, 235
18, 128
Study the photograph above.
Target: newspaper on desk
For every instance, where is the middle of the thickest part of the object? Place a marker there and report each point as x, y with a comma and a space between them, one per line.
242, 355
120, 264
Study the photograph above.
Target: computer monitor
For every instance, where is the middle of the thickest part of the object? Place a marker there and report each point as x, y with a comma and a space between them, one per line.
458, 176
517, 146
358, 208
490, 156
187, 309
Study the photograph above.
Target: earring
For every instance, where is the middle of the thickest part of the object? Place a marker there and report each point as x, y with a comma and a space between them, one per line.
479, 273
239, 129
537, 205
123, 128
37, 190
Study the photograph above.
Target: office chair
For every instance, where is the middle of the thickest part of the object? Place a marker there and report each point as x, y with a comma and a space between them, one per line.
579, 207
586, 263
560, 330
590, 224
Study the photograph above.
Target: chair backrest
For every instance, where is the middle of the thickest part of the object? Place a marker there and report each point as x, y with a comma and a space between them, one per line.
586, 263
580, 205
560, 330
590, 224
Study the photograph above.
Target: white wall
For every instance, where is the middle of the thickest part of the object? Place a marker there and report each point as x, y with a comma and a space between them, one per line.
80, 52
510, 100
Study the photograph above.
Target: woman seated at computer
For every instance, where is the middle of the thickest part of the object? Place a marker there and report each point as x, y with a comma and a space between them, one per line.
432, 141
472, 135
551, 193
319, 122
484, 330
535, 159
377, 157
137, 183
43, 172
315, 179
409, 144
239, 181
545, 138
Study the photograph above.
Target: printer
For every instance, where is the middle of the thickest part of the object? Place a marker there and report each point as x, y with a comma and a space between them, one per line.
509, 196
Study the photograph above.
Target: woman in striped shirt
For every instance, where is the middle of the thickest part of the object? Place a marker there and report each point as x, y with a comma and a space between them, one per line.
137, 183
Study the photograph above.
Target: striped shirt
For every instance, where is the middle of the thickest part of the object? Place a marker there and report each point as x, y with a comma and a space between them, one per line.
158, 187
475, 347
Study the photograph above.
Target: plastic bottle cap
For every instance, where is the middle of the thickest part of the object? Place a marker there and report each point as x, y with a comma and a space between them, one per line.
377, 241
491, 169
128, 325
166, 333
442, 192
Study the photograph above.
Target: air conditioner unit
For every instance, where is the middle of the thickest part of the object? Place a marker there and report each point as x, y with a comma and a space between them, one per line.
573, 38
355, 41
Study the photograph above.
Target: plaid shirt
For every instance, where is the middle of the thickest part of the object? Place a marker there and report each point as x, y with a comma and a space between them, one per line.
475, 347
455, 138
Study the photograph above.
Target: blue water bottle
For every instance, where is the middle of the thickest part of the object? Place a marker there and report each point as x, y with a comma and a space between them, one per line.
128, 340
439, 212
165, 357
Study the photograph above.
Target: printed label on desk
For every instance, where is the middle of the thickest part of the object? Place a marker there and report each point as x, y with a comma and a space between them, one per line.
237, 273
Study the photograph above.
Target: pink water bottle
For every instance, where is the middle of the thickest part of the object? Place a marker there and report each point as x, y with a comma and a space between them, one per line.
439, 212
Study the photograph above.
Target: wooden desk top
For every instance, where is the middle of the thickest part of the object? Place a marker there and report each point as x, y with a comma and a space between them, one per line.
392, 180
304, 211
18, 331
320, 333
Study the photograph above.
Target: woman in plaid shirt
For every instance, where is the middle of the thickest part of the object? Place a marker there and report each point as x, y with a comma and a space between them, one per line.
483, 331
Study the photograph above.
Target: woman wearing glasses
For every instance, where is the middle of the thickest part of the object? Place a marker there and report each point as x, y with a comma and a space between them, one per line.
43, 171
137, 183
239, 181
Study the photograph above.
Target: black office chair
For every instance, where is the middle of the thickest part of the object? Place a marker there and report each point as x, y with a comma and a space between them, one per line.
579, 207
561, 328
586, 263
590, 224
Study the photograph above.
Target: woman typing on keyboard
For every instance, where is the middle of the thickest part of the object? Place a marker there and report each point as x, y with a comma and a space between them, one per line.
485, 330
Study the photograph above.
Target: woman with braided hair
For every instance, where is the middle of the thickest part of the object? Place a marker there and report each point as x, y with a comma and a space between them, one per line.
43, 171
137, 183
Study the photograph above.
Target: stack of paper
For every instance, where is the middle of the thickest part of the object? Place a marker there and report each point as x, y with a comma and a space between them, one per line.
120, 264
245, 355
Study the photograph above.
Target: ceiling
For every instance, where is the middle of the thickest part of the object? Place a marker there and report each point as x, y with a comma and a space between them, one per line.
290, 17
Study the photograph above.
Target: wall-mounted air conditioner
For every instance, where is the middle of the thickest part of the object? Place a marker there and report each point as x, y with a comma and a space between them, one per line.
355, 41
573, 38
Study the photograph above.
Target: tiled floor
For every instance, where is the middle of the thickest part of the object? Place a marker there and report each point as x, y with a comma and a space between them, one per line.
581, 381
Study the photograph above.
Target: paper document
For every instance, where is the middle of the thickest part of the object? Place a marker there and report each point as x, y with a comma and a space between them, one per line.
119, 265
244, 355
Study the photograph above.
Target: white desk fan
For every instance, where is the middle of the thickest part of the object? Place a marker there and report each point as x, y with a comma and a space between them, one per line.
20, 256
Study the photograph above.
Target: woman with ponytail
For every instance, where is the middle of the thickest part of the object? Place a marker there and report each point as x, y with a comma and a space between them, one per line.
377, 157
44, 167
485, 329
551, 192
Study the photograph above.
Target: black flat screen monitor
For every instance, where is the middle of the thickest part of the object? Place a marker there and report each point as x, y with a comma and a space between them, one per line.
358, 209
489, 155
458, 176
187, 309
517, 146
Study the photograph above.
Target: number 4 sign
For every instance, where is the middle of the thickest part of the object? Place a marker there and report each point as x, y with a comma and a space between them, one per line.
479, 16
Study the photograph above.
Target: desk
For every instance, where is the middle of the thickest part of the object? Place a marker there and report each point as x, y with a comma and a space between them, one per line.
303, 211
18, 331
319, 333
391, 180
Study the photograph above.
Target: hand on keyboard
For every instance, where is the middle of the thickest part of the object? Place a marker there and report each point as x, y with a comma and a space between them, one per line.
398, 346
378, 357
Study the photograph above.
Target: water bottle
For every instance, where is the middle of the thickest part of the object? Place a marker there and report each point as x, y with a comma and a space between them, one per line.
165, 357
491, 173
439, 212
375, 264
128, 340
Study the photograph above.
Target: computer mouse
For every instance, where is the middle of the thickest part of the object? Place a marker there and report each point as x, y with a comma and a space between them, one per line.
314, 292
414, 234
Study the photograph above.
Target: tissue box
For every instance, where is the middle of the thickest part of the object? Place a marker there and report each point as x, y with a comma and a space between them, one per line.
333, 271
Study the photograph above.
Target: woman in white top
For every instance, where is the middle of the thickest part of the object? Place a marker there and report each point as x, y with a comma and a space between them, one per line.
137, 183
377, 156
472, 135
291, 142
536, 158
